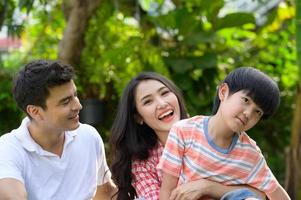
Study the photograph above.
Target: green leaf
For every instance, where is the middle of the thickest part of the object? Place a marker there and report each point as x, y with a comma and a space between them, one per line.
235, 20
147, 4
185, 64
200, 37
180, 65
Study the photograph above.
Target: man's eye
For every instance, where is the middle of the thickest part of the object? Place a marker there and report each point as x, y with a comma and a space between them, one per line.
66, 102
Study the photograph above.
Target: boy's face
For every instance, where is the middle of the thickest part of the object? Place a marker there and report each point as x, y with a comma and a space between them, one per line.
62, 109
239, 111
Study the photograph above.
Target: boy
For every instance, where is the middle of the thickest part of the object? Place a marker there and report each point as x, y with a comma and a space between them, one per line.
217, 147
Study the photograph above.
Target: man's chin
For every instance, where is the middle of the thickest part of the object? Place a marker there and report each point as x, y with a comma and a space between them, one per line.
73, 127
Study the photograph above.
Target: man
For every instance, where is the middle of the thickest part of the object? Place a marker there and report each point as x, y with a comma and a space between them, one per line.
51, 155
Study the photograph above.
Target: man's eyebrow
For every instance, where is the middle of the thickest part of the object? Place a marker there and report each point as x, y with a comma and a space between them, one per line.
67, 97
64, 99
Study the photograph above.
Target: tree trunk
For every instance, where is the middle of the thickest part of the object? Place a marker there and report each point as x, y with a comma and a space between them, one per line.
77, 13
293, 168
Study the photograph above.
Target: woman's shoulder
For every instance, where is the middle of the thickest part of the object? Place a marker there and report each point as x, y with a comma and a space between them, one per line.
152, 161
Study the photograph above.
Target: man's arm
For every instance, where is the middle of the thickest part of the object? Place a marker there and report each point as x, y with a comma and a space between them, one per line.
12, 189
105, 191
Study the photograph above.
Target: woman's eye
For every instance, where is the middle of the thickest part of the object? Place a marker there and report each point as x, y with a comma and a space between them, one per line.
165, 92
147, 102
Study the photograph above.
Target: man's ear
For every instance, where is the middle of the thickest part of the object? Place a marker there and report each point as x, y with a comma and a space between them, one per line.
223, 91
34, 112
138, 119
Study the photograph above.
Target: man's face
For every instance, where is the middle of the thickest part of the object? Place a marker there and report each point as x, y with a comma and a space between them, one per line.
62, 109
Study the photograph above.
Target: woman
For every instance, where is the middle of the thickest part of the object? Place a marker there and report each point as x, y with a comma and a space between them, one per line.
149, 106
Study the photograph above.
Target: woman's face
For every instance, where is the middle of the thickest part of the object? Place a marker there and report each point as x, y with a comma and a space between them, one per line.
157, 106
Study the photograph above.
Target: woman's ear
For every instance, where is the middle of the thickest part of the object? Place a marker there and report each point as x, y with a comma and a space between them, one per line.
138, 119
223, 91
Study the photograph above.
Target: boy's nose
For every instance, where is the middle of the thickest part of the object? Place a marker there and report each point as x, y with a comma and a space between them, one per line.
248, 112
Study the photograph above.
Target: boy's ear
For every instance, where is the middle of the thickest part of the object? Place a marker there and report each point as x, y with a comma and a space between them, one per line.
138, 119
223, 91
34, 112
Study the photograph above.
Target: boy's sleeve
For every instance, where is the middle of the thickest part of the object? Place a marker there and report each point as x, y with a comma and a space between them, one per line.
262, 178
171, 160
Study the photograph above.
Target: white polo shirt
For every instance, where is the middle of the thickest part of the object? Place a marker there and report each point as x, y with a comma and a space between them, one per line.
45, 175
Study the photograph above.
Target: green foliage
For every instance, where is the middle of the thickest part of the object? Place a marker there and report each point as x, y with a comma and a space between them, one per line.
121, 52
235, 20
9, 113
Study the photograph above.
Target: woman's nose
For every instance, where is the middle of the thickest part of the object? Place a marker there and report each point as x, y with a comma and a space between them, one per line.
161, 103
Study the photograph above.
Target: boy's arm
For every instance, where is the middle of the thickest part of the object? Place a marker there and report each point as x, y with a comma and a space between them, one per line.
279, 193
203, 187
169, 182
12, 189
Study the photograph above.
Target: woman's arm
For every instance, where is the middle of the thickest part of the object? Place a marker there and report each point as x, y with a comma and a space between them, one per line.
203, 187
169, 182
145, 181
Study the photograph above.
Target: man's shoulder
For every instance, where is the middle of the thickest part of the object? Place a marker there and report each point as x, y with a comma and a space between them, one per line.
9, 140
10, 147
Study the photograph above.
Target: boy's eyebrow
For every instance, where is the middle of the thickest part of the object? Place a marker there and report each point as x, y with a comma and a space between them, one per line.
159, 90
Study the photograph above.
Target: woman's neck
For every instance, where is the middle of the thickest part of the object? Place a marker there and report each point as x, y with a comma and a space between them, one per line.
162, 136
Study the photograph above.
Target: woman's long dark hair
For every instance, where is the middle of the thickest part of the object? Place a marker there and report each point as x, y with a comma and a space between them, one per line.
130, 140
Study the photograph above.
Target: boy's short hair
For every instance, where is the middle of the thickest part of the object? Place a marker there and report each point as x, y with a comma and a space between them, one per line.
260, 87
33, 81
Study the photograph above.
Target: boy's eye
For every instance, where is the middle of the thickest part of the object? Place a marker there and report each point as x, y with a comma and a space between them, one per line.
245, 99
259, 113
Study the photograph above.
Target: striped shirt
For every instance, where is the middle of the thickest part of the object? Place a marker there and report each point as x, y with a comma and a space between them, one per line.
190, 154
146, 177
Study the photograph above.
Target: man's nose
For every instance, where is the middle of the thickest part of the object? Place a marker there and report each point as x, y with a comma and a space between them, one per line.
76, 104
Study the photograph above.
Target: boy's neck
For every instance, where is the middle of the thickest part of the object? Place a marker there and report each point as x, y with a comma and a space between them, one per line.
219, 133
